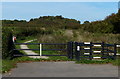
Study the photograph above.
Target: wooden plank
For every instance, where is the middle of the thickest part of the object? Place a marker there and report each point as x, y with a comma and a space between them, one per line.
86, 42
97, 51
111, 53
86, 48
117, 54
97, 45
118, 45
96, 57
86, 53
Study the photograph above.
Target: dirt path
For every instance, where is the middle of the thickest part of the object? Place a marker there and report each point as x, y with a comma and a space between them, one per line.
62, 69
29, 52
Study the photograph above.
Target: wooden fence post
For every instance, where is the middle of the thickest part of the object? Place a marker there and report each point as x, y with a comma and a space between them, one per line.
70, 50
103, 45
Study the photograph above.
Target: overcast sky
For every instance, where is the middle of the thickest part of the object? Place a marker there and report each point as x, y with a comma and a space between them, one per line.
82, 11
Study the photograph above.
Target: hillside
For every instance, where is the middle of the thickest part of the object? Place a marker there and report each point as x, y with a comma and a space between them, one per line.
45, 21
111, 24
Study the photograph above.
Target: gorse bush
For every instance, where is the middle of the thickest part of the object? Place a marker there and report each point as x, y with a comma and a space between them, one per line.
7, 44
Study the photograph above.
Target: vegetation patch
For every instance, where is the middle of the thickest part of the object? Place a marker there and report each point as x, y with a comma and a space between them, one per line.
7, 44
7, 65
105, 61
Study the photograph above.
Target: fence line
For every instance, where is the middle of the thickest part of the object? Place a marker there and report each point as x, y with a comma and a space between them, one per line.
78, 50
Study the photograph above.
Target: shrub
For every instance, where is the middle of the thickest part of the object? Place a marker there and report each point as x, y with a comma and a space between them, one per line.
7, 44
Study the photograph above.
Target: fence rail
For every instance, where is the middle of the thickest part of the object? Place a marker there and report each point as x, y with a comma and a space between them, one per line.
43, 49
40, 43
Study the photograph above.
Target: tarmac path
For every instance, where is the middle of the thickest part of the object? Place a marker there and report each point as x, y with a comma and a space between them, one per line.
62, 69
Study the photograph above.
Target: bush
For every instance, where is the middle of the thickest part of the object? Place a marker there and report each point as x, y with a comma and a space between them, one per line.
7, 44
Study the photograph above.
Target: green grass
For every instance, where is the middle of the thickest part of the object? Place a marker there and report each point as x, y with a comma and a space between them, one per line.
26, 39
116, 62
105, 61
7, 65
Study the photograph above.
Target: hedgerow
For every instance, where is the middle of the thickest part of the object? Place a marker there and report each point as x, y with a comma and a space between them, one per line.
7, 44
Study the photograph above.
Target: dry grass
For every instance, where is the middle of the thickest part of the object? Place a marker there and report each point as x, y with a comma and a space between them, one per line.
79, 36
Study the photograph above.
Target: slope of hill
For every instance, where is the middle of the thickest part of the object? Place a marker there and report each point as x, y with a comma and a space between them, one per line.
111, 24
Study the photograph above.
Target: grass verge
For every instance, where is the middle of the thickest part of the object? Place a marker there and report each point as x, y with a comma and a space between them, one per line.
105, 61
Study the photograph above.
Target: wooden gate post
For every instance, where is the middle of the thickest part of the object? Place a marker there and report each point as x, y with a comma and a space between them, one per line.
77, 51
103, 47
115, 51
70, 50
91, 56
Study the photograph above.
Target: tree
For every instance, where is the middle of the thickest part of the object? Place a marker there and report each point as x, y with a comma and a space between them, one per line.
86, 22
